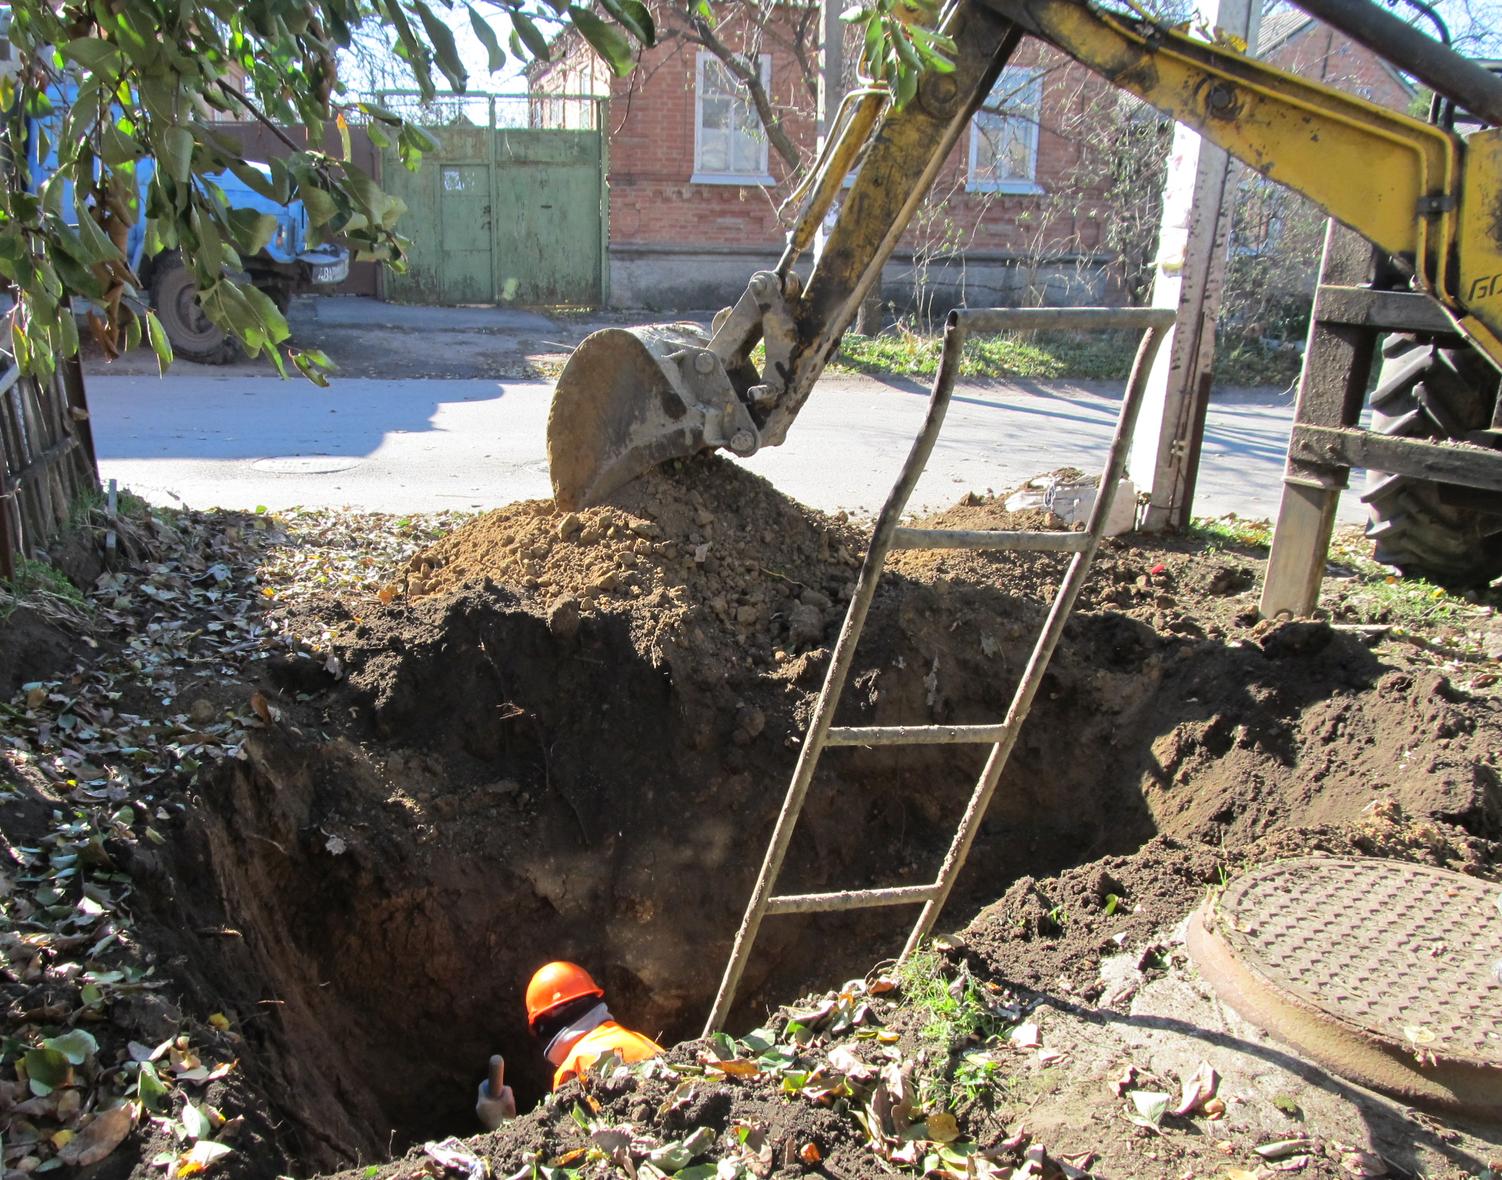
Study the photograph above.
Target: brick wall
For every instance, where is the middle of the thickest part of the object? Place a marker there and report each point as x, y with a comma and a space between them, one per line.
1325, 55
658, 210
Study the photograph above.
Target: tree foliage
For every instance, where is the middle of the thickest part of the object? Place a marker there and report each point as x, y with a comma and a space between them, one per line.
141, 77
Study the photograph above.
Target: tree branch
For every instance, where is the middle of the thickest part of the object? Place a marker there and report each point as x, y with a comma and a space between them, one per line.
748, 74
257, 113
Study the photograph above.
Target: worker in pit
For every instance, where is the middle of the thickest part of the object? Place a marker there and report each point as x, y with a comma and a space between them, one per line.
566, 1011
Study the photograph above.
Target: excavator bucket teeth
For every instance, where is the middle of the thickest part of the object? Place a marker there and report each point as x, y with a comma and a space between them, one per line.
619, 410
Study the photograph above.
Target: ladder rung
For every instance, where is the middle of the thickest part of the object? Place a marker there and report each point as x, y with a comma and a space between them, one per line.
915, 735
850, 899
1031, 540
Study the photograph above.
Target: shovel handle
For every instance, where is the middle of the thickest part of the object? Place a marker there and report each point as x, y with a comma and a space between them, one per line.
497, 1076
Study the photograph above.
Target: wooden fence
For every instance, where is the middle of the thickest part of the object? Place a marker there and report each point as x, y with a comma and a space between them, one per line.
49, 463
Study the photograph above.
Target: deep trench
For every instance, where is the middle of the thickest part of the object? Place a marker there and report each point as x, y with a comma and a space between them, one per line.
515, 797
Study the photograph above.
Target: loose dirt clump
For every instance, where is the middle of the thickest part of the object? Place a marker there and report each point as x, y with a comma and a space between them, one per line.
568, 735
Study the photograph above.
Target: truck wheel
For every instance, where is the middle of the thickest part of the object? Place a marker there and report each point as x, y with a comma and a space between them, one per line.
194, 336
1435, 387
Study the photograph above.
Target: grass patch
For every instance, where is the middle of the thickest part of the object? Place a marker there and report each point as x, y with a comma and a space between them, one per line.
956, 1025
899, 351
1051, 356
1242, 361
1231, 532
37, 577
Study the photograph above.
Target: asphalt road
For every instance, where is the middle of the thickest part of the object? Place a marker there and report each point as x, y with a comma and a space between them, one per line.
408, 445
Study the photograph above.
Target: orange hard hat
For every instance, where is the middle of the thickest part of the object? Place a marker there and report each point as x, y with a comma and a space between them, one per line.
557, 983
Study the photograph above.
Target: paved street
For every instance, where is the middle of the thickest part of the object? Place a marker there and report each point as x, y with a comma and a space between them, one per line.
239, 441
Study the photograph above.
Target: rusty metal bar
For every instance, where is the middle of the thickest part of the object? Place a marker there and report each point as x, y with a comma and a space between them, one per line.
1158, 322
1154, 323
1022, 540
915, 735
849, 899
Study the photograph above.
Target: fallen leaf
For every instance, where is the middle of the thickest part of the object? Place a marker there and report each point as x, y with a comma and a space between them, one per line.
261, 706
1150, 1105
1025, 1036
195, 1122
202, 1156
1279, 1148
1214, 1109
1198, 1089
1047, 1057
1123, 1081
1364, 1165
942, 1127
809, 1153
105, 1133
736, 1069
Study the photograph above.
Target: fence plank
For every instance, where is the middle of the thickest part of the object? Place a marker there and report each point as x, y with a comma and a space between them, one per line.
49, 464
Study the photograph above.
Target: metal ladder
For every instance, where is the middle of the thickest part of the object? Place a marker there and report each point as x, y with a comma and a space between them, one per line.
1154, 324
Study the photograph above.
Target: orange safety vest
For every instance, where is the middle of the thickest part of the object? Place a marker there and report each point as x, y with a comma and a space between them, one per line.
600, 1040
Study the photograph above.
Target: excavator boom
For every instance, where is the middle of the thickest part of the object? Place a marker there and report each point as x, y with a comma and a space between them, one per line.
628, 400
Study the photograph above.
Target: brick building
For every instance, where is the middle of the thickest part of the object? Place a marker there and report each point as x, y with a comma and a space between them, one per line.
695, 184
1019, 213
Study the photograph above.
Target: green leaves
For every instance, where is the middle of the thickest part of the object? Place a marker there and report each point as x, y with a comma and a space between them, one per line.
176, 153
607, 40
529, 35
493, 50
444, 47
150, 1088
896, 47
46, 1070
141, 75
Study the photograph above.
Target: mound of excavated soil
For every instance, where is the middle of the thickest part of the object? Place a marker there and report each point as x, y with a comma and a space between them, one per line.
568, 735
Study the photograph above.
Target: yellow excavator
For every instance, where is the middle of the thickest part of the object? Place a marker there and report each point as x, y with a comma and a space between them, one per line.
1427, 195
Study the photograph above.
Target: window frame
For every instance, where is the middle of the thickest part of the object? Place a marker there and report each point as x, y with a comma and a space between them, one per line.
702, 175
1017, 185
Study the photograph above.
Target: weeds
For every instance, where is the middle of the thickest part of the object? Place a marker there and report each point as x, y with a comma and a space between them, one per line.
38, 577
957, 1025
1232, 532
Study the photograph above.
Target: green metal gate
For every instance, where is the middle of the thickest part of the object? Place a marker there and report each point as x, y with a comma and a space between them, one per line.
504, 214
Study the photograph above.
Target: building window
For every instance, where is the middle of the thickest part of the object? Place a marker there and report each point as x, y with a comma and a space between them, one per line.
730, 146
1004, 135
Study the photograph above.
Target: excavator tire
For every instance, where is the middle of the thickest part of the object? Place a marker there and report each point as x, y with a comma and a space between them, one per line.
1435, 387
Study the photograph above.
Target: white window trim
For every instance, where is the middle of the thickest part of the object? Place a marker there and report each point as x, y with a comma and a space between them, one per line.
764, 61
1021, 186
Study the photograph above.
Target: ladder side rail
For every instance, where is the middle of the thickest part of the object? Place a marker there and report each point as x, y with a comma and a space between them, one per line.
840, 664
1159, 322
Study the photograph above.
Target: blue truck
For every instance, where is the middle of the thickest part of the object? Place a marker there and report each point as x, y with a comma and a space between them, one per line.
286, 265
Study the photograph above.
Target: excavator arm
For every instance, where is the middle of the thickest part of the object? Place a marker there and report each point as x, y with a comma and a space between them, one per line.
628, 400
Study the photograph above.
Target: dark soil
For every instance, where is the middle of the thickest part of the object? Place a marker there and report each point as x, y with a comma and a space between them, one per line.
567, 736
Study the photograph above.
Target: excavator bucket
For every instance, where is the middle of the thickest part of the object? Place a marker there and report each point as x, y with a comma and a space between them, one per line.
630, 399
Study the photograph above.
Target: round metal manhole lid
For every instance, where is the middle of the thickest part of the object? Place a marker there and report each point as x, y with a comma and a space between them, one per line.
1384, 971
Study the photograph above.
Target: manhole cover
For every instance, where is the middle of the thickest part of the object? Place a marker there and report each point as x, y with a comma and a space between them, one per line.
1381, 971
306, 464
